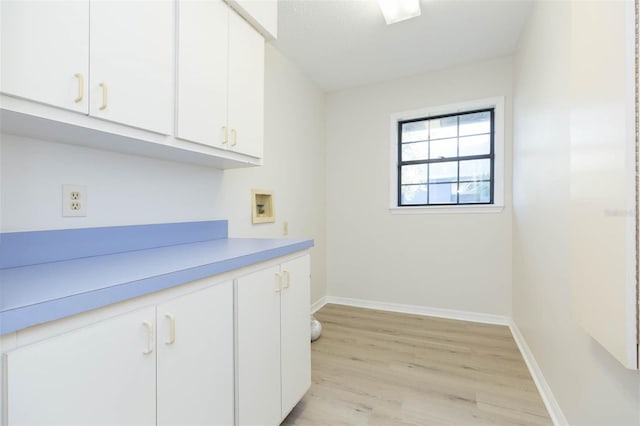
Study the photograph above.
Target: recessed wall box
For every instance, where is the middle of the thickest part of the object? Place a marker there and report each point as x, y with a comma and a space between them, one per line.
262, 206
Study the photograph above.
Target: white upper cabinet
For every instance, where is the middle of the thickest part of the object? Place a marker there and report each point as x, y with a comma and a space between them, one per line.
44, 52
220, 78
246, 88
111, 59
131, 63
202, 72
181, 80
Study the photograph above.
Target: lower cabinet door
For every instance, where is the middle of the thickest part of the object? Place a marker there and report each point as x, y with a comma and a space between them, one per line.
195, 358
102, 374
258, 350
296, 332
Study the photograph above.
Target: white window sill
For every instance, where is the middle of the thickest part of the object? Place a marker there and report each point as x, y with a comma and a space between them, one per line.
460, 209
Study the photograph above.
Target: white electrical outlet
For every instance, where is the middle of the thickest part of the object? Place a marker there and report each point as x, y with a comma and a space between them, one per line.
74, 200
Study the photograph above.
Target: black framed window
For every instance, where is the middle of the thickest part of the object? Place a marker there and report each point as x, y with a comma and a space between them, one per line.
447, 159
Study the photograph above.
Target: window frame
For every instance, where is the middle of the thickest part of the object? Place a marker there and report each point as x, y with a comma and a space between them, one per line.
497, 104
429, 161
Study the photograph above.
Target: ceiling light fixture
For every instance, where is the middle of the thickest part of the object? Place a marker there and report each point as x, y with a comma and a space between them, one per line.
399, 10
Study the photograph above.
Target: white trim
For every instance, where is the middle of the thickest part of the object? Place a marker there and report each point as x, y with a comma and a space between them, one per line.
555, 412
318, 304
465, 208
422, 310
549, 400
499, 136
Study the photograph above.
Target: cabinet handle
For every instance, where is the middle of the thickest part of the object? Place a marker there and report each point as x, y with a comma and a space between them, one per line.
149, 327
287, 281
278, 282
234, 133
225, 137
80, 88
172, 329
105, 97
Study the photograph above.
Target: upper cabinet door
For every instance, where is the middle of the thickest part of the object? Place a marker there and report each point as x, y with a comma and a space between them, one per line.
131, 63
45, 52
202, 72
246, 87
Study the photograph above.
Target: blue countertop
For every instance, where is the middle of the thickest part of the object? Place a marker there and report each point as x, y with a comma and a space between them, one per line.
32, 294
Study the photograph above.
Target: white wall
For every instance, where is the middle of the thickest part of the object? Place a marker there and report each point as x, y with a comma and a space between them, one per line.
127, 189
589, 384
451, 261
122, 189
294, 165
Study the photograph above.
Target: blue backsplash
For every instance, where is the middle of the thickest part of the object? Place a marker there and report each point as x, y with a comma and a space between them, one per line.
36, 247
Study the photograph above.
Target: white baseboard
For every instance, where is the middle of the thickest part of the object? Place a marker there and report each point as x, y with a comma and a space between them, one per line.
555, 412
318, 304
421, 310
550, 402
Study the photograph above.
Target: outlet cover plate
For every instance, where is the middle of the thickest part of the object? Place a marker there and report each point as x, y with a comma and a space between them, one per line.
74, 200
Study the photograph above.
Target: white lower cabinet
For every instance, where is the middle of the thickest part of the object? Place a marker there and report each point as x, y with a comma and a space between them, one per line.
258, 324
120, 371
195, 358
273, 341
169, 358
295, 355
103, 374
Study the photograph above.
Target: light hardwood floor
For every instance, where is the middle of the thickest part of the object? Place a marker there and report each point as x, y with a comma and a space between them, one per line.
380, 368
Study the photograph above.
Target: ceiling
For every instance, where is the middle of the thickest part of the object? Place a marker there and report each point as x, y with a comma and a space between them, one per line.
346, 43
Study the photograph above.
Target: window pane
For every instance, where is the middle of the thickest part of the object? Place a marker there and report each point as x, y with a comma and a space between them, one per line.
444, 148
446, 127
415, 151
475, 170
415, 174
415, 131
414, 194
475, 192
473, 124
443, 172
437, 147
443, 193
475, 145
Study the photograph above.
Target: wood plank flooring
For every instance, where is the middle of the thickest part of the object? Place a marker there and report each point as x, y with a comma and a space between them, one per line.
380, 368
